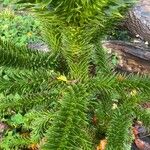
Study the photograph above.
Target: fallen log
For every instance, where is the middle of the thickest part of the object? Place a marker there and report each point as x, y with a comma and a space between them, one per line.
131, 57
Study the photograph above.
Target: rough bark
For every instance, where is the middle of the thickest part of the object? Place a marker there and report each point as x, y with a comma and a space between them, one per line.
138, 20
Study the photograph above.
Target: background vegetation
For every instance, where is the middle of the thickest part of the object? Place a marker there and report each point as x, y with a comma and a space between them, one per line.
70, 97
17, 25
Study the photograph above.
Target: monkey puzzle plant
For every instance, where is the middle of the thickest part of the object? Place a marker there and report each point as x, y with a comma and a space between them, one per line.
51, 99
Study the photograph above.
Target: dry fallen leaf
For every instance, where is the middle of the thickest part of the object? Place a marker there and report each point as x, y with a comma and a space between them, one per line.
33, 147
140, 144
62, 78
102, 145
114, 106
133, 92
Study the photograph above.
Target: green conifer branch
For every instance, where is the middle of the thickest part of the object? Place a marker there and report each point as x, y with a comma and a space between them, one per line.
119, 130
69, 127
22, 57
21, 82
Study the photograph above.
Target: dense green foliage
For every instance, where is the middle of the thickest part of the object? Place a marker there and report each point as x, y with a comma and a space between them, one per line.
50, 99
19, 28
